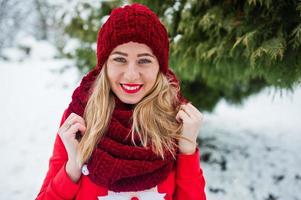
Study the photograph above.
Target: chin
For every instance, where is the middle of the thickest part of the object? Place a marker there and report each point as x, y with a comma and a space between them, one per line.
130, 101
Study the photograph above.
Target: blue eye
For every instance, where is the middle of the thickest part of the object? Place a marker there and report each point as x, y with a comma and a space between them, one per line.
144, 61
120, 59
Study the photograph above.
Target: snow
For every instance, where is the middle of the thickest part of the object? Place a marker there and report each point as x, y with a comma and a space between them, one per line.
177, 38
34, 96
38, 50
248, 152
252, 150
67, 11
71, 45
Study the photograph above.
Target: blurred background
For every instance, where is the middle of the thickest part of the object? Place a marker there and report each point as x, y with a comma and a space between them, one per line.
239, 62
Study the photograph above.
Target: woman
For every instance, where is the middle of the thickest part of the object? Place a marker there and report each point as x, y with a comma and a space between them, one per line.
128, 133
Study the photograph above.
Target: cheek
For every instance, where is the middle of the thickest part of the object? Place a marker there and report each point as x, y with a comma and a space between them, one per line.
152, 77
112, 75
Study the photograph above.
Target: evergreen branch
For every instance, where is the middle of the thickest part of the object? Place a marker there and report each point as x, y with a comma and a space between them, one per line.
296, 37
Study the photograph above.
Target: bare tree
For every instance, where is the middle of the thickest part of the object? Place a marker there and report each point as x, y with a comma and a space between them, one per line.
42, 7
13, 17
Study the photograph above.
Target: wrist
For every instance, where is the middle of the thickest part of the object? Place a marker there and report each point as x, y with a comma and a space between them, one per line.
73, 170
187, 147
187, 152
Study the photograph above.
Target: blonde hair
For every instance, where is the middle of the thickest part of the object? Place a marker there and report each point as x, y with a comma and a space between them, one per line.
153, 117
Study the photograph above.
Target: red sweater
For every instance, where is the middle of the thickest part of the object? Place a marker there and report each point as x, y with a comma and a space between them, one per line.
185, 182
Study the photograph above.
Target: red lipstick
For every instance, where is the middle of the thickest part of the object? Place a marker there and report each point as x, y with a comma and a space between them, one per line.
131, 88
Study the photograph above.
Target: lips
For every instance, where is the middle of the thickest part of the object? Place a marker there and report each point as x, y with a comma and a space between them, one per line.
130, 87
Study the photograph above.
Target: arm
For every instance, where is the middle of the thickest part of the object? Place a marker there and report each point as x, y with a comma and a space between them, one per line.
57, 185
190, 182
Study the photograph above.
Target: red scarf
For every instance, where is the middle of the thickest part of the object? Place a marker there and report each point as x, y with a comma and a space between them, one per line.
116, 163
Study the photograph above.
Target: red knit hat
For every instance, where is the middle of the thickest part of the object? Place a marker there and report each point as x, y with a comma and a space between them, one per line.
135, 23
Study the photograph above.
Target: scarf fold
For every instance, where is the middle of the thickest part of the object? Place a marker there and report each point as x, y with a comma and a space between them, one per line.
116, 163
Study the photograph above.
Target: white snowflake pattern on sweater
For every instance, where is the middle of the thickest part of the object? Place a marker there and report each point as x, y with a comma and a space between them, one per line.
150, 194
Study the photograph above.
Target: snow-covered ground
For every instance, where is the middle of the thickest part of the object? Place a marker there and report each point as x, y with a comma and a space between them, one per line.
252, 152
248, 152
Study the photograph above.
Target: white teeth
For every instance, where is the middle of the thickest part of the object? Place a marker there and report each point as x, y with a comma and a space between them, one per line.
130, 88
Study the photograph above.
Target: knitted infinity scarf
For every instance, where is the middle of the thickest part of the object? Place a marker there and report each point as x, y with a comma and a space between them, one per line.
116, 163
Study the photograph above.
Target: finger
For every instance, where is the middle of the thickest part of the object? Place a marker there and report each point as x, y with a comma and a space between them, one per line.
189, 111
77, 127
67, 124
77, 118
182, 116
70, 116
196, 111
72, 119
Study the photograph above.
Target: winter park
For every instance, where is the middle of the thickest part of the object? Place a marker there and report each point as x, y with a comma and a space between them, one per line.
238, 62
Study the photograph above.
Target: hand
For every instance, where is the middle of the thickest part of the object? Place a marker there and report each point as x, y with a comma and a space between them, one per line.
192, 120
67, 133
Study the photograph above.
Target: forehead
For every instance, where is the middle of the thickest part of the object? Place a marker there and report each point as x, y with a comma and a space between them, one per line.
133, 48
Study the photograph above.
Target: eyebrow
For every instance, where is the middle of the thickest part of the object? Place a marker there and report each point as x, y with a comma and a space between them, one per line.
145, 54
125, 54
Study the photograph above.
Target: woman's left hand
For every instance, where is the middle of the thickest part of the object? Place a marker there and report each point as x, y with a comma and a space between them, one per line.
192, 120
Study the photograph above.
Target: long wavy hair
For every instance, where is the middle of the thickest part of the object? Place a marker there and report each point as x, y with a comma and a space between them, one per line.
153, 117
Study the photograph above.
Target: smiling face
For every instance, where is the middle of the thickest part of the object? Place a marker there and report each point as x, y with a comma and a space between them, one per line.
132, 71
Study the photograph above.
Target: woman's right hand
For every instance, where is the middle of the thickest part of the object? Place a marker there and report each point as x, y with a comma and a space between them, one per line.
67, 133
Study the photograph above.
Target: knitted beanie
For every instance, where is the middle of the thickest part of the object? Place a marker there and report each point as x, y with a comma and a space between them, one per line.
135, 23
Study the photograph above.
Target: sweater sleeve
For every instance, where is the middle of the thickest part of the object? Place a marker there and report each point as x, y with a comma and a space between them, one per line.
57, 184
190, 182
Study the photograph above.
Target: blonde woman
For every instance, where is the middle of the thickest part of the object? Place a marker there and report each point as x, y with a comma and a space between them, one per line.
128, 133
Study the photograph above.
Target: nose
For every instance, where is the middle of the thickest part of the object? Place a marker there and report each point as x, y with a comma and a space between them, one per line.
131, 73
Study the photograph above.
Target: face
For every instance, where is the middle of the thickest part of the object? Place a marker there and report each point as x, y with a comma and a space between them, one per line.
132, 70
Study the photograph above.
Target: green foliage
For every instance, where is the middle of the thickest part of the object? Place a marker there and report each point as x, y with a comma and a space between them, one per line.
85, 30
220, 49
228, 46
258, 35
